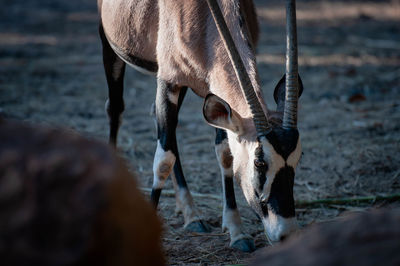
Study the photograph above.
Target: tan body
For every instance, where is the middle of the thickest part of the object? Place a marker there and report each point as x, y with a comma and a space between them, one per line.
181, 37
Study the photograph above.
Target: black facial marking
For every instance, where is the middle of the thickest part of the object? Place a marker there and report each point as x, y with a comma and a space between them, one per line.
230, 193
281, 199
261, 171
284, 141
220, 136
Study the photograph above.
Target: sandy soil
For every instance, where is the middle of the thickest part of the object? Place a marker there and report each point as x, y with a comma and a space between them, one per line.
51, 72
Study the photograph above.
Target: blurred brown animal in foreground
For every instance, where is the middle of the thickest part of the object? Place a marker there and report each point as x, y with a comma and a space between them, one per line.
367, 239
66, 200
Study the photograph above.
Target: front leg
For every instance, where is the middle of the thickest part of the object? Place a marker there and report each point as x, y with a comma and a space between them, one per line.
168, 101
230, 218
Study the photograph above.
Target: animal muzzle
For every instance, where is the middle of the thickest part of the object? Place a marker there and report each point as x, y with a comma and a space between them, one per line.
277, 228
279, 213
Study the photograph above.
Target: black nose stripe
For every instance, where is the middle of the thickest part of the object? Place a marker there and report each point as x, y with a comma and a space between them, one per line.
281, 199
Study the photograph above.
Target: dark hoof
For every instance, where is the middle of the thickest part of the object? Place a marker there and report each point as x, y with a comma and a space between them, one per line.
245, 245
198, 227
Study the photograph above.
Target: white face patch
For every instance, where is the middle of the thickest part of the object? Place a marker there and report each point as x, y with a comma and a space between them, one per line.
294, 157
275, 163
162, 166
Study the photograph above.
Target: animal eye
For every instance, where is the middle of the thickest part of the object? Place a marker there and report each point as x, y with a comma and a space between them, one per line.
260, 163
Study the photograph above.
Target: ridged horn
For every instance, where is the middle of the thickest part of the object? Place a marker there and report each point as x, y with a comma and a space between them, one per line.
260, 121
292, 92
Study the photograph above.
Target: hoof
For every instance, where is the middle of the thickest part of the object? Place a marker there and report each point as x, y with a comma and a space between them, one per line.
198, 227
244, 244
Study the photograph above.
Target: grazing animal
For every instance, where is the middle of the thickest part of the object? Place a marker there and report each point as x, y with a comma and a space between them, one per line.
65, 200
368, 239
186, 44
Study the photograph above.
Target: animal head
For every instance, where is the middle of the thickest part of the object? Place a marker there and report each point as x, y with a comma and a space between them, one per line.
264, 164
265, 150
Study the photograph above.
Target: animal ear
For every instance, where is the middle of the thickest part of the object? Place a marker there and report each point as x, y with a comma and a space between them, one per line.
280, 92
219, 114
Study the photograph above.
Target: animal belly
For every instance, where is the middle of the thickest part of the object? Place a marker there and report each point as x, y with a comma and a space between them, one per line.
131, 28
142, 65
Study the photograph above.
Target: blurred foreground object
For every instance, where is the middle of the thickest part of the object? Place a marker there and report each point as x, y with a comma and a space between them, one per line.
370, 238
66, 200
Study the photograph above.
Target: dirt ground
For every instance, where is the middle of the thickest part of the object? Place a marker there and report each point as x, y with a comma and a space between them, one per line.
349, 52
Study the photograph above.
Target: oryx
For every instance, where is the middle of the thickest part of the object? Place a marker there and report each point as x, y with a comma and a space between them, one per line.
209, 47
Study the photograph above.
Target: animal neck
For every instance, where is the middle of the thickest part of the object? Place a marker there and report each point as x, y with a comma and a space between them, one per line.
226, 87
222, 77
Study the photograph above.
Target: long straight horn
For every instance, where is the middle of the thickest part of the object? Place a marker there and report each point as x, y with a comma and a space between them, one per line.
259, 118
292, 92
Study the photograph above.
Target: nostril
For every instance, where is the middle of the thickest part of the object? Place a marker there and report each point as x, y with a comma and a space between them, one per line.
283, 238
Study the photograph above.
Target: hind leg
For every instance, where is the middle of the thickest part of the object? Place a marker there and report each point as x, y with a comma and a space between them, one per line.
115, 69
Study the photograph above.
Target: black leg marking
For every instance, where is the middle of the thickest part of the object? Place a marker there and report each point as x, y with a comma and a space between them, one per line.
182, 95
164, 158
167, 117
167, 120
168, 102
230, 193
115, 69
155, 196
180, 178
225, 160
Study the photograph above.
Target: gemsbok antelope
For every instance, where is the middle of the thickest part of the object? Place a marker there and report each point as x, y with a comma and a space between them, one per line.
210, 48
